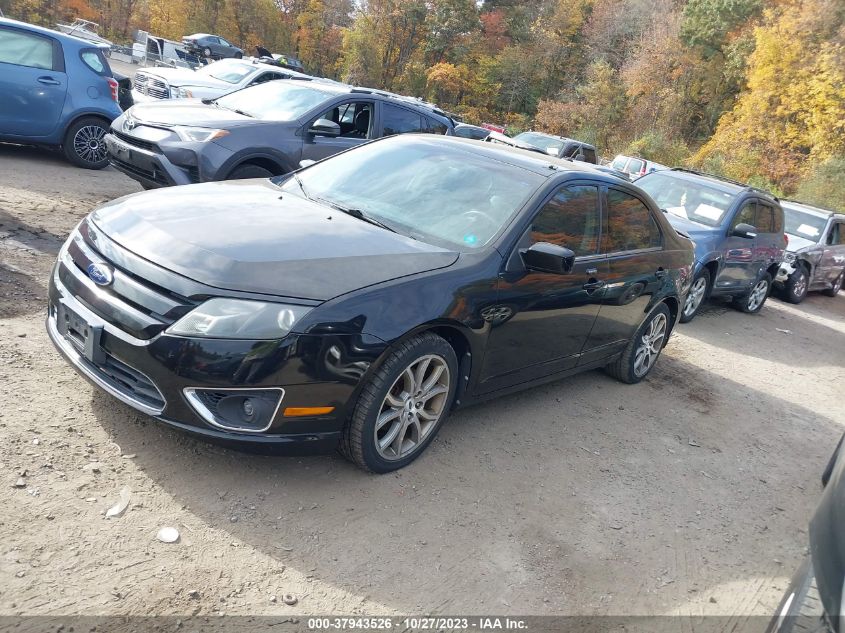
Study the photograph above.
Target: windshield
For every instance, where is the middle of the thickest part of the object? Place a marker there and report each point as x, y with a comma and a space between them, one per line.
437, 192
545, 143
802, 224
686, 198
274, 100
230, 73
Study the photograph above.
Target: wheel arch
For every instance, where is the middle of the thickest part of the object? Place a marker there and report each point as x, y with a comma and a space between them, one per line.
84, 115
265, 162
674, 306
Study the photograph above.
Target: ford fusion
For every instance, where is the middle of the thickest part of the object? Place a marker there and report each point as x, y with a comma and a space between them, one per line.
354, 303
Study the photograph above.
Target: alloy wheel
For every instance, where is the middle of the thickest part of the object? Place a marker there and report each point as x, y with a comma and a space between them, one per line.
88, 144
837, 285
799, 288
651, 342
758, 295
412, 407
695, 296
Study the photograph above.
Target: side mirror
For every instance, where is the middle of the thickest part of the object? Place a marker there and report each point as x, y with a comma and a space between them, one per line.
744, 230
549, 258
324, 127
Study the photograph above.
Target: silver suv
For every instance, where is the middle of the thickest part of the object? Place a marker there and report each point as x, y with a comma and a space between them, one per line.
815, 257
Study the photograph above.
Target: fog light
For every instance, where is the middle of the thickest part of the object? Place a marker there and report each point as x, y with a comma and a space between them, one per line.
245, 410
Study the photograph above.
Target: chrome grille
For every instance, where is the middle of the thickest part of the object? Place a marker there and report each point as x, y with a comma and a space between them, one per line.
151, 86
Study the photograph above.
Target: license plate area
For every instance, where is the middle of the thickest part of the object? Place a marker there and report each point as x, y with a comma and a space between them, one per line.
84, 336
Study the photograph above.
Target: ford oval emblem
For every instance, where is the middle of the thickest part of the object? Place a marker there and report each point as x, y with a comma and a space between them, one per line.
100, 274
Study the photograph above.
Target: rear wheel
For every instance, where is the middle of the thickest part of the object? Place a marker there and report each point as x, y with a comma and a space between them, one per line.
402, 407
83, 145
696, 295
249, 171
642, 351
796, 285
837, 286
206, 52
753, 301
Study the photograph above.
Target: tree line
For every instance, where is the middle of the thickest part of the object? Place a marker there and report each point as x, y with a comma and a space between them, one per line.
751, 89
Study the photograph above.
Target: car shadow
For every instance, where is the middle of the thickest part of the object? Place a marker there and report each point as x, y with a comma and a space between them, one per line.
33, 237
522, 503
819, 318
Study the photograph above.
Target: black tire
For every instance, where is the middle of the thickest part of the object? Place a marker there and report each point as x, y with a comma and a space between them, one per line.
805, 612
837, 286
83, 143
249, 171
360, 433
206, 52
795, 288
624, 368
239, 55
702, 278
751, 302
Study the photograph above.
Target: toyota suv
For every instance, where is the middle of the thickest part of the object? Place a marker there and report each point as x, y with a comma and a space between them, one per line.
260, 131
816, 256
560, 146
737, 230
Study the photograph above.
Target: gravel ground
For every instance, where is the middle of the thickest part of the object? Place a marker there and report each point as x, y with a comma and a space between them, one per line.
689, 493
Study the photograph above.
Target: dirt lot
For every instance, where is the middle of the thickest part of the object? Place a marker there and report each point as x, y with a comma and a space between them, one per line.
689, 493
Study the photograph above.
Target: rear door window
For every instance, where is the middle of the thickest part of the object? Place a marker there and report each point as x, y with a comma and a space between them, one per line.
630, 225
590, 155
27, 49
635, 166
764, 220
96, 61
434, 127
397, 120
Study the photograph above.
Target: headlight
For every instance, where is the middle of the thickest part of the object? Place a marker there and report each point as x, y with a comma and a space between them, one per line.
182, 93
239, 319
198, 134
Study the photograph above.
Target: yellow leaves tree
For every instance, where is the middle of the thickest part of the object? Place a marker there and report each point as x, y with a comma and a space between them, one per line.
168, 18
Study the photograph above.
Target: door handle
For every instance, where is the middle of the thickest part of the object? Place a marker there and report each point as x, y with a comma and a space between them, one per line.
594, 284
660, 273
49, 81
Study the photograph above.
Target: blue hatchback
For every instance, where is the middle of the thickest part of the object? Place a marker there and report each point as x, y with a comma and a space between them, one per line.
55, 90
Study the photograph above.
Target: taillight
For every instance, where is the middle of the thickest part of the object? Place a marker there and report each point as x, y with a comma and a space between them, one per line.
786, 237
114, 86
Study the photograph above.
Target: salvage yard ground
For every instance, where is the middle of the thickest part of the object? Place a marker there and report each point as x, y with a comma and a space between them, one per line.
689, 493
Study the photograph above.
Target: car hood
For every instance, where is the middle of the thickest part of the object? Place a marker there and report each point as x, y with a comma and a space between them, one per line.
798, 243
187, 77
186, 112
247, 236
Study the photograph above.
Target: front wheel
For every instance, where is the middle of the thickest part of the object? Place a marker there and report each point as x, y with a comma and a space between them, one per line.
206, 52
696, 295
402, 407
753, 301
642, 351
837, 286
249, 171
796, 285
83, 145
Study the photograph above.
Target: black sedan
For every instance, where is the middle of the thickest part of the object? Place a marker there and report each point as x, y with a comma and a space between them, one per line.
355, 302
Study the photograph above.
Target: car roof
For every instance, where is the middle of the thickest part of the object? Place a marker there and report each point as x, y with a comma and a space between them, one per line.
808, 208
201, 35
74, 41
566, 139
539, 163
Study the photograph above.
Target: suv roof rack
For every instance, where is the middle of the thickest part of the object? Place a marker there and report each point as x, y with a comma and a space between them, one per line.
402, 98
745, 186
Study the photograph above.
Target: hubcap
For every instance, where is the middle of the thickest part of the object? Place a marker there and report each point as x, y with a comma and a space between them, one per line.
651, 343
800, 285
412, 407
758, 295
695, 296
837, 285
88, 144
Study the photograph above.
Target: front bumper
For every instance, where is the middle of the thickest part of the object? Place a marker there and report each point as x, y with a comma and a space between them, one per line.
784, 271
155, 376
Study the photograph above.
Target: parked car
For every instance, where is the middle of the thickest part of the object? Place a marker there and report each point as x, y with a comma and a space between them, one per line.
464, 130
57, 90
207, 82
815, 257
635, 166
355, 302
560, 146
813, 601
737, 230
211, 46
285, 61
259, 131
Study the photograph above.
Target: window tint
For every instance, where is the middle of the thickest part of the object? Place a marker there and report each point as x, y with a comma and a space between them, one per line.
777, 218
434, 127
400, 120
764, 222
635, 166
570, 219
25, 49
630, 226
590, 155
836, 237
746, 215
354, 118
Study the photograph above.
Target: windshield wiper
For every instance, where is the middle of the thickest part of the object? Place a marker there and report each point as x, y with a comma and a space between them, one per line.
356, 213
